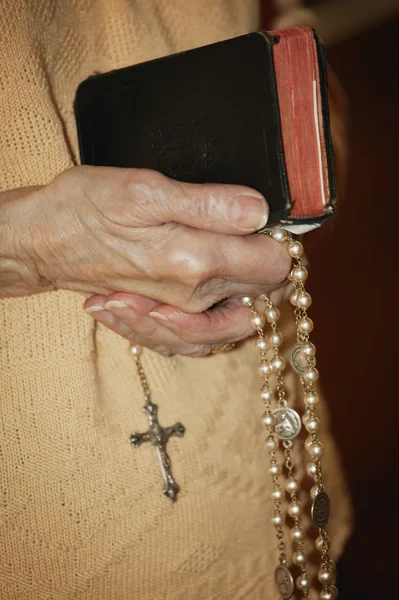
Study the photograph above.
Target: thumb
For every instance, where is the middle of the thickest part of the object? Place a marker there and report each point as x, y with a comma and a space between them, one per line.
220, 208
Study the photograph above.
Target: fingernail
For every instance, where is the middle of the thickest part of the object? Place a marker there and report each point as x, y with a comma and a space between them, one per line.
158, 315
115, 304
93, 309
250, 212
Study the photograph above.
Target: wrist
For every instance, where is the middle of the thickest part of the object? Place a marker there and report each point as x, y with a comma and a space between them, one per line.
19, 275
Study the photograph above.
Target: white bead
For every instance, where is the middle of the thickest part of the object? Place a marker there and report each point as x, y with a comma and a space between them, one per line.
272, 315
297, 534
295, 249
269, 420
303, 582
275, 470
277, 494
303, 300
275, 338
247, 301
266, 395
308, 443
311, 375
312, 424
271, 443
305, 325
293, 297
265, 368
280, 235
136, 350
277, 520
308, 350
299, 274
311, 469
262, 344
311, 399
325, 576
278, 364
329, 594
257, 321
291, 485
298, 558
316, 450
294, 509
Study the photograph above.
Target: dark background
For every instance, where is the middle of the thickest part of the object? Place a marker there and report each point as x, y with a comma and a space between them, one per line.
354, 278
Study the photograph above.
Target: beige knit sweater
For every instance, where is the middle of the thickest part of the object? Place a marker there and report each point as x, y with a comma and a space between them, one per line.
82, 515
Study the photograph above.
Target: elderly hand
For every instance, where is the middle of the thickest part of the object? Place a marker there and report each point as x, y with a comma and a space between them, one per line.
100, 230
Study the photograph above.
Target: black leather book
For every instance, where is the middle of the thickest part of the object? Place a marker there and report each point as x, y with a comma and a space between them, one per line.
214, 114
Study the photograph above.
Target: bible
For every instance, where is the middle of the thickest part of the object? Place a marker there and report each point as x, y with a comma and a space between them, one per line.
251, 110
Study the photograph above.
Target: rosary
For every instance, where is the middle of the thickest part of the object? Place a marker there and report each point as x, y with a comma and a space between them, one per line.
283, 425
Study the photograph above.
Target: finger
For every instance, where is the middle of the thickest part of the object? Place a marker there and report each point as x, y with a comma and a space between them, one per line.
215, 267
229, 322
126, 315
153, 199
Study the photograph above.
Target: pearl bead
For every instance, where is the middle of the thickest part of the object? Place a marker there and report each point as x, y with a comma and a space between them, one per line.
316, 450
135, 350
277, 494
278, 364
295, 249
311, 399
320, 543
280, 235
294, 509
262, 344
314, 491
304, 300
308, 350
299, 274
311, 375
293, 297
311, 469
247, 301
312, 424
265, 368
308, 443
296, 534
271, 443
325, 576
275, 338
328, 595
275, 470
298, 558
269, 420
305, 325
257, 321
272, 315
303, 582
291, 485
266, 395
277, 520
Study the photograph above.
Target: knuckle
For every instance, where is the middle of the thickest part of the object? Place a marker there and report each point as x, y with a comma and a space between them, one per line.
148, 188
188, 267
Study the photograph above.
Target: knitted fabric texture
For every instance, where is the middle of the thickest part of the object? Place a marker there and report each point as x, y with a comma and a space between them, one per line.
82, 515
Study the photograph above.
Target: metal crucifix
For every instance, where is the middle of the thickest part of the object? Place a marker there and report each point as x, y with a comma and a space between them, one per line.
159, 436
